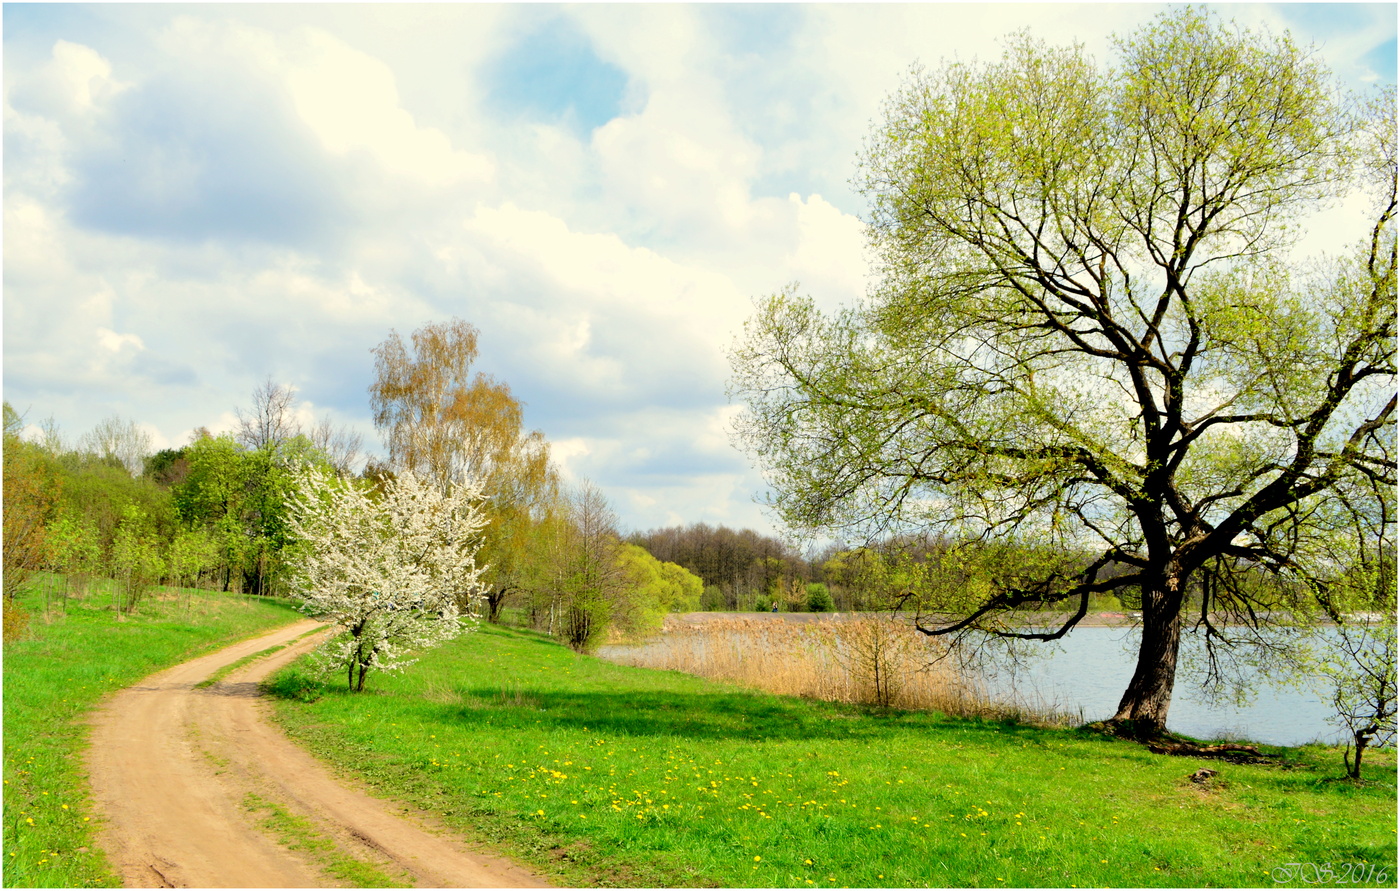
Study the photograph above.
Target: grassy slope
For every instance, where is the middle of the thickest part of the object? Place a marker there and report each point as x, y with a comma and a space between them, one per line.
53, 679
602, 774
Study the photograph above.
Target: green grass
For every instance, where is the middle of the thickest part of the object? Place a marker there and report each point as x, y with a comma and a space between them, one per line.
600, 774
53, 678
300, 834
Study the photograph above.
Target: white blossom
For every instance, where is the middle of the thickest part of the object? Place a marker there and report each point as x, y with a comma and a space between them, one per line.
395, 574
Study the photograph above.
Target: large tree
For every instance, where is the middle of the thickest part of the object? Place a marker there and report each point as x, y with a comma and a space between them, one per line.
441, 418
1091, 333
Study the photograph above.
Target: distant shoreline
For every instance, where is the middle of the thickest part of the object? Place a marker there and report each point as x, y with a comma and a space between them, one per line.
1094, 619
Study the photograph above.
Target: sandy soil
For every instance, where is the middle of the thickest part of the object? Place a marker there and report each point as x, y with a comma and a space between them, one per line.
172, 766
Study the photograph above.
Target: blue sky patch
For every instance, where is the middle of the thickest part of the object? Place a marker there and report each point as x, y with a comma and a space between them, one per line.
553, 74
758, 29
1382, 61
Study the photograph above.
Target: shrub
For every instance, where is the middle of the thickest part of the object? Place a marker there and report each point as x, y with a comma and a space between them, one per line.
819, 598
712, 599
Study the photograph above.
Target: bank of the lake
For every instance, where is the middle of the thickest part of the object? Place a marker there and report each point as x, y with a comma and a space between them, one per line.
1083, 674
605, 774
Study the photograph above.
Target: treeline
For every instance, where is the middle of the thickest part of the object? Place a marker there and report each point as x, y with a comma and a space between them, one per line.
741, 569
214, 512
744, 570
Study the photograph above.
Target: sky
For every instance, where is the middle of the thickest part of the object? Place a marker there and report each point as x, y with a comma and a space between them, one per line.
198, 198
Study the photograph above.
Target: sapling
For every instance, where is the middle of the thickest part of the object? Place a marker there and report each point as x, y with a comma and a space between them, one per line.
1357, 677
396, 573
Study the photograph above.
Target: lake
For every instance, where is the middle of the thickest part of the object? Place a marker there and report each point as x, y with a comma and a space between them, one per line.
1092, 668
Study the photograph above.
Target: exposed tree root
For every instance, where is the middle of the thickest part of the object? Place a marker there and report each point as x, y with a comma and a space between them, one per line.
1161, 742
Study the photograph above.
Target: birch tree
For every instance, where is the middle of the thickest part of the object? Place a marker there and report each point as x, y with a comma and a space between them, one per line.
389, 572
447, 421
1090, 336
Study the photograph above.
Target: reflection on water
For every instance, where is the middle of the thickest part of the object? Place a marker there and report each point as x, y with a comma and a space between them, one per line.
1092, 667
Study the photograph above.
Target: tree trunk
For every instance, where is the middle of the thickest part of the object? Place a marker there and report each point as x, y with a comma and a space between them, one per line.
1149, 693
495, 599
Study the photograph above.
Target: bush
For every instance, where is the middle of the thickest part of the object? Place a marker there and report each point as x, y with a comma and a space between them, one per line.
712, 599
292, 683
819, 598
762, 605
1105, 603
16, 620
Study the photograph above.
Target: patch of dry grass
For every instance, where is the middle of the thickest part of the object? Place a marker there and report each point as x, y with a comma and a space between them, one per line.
873, 660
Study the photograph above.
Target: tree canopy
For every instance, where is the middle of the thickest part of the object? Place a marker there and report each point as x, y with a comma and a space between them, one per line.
1092, 333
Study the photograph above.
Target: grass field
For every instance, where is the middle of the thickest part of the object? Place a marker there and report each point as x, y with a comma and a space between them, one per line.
53, 678
600, 774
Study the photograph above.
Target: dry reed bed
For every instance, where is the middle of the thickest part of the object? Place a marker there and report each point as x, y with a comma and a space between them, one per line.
868, 660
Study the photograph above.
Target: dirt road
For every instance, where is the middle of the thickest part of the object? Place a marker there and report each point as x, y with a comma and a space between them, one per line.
184, 776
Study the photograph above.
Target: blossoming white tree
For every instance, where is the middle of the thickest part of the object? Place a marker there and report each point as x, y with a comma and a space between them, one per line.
391, 571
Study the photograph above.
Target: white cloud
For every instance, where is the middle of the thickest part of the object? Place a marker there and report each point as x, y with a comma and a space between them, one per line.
84, 73
351, 101
830, 248
347, 98
567, 453
115, 343
621, 318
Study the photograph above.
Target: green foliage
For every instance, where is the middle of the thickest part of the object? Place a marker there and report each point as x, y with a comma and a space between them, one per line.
238, 497
137, 564
586, 582
741, 564
297, 685
656, 588
862, 579
712, 598
166, 467
97, 495
32, 483
74, 547
659, 779
1105, 602
192, 553
819, 598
